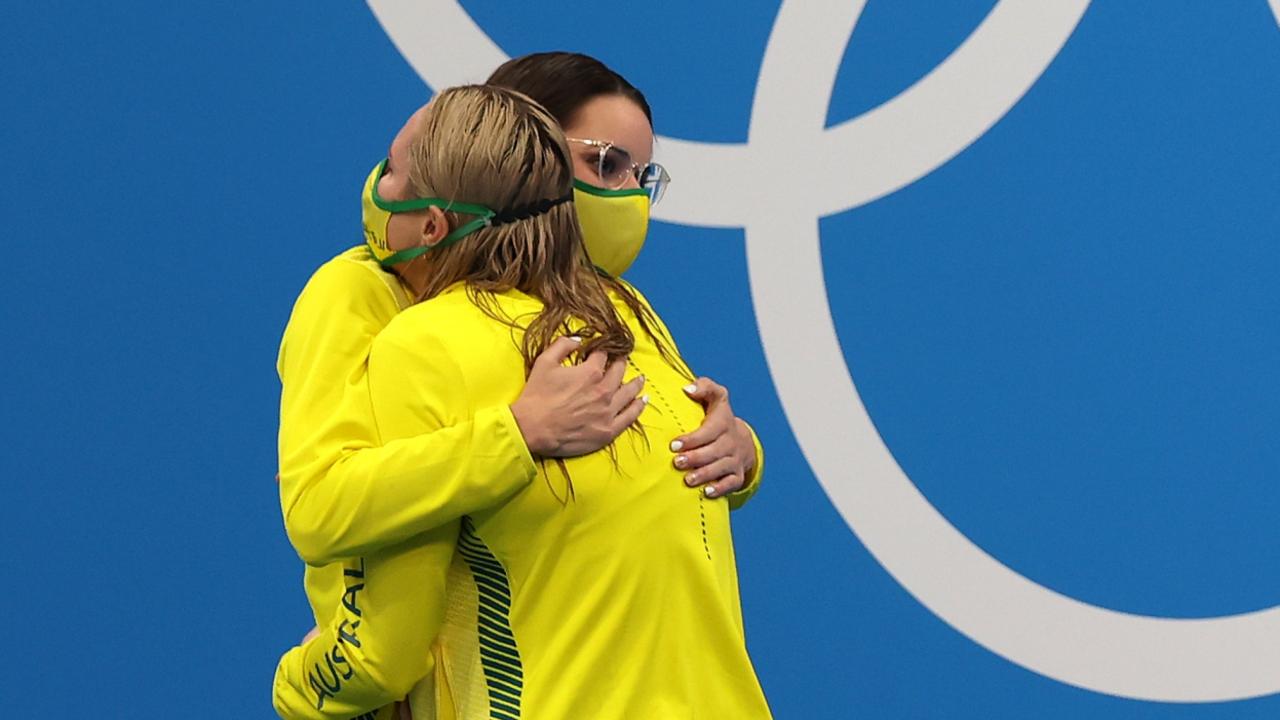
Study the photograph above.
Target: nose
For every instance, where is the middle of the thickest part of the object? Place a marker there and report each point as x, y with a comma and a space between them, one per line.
630, 183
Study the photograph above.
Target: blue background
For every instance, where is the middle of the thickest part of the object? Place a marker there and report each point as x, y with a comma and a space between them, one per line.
1066, 335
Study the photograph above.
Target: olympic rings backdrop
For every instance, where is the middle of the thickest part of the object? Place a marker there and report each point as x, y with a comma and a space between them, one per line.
995, 281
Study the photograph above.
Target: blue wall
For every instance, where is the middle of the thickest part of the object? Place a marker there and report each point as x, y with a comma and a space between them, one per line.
1066, 335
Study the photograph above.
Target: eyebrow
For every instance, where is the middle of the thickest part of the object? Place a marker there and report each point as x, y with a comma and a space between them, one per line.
589, 142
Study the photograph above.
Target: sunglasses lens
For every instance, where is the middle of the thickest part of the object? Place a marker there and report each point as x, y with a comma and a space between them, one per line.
654, 178
615, 165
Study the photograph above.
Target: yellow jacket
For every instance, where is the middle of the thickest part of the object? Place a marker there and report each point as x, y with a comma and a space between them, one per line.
609, 592
344, 493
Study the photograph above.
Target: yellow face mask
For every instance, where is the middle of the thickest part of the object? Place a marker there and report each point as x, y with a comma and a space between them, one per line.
375, 218
377, 212
614, 224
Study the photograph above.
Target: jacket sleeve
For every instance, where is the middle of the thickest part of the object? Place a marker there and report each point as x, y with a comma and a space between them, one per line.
378, 645
751, 482
342, 493
371, 497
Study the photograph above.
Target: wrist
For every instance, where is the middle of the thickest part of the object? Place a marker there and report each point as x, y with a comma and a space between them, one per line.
747, 442
531, 430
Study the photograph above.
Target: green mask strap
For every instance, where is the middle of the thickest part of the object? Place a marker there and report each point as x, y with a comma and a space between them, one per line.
451, 238
401, 206
605, 192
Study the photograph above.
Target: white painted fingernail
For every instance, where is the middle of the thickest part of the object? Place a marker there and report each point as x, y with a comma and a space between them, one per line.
709, 491
691, 389
575, 338
676, 445
644, 399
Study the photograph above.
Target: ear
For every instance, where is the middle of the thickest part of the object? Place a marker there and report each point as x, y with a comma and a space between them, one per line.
434, 226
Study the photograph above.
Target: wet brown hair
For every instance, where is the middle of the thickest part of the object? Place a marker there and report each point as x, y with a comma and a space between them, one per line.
495, 147
563, 82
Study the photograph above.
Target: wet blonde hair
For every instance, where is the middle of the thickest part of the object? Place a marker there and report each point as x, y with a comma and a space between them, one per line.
498, 148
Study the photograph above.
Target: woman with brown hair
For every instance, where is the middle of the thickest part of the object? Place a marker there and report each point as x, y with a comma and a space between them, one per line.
609, 126
574, 597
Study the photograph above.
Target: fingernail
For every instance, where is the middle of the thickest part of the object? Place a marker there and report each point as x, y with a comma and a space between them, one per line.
709, 491
676, 445
644, 399
681, 461
691, 479
690, 389
575, 338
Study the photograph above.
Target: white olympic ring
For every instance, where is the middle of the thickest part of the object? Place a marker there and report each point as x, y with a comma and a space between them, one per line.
1129, 655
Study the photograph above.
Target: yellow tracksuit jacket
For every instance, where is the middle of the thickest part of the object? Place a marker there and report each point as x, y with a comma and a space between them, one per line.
342, 491
607, 593
345, 493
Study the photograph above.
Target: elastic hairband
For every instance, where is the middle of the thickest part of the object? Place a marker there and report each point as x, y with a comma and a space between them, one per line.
525, 212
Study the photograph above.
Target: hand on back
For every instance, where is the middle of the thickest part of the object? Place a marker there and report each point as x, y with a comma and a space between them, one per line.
569, 410
721, 453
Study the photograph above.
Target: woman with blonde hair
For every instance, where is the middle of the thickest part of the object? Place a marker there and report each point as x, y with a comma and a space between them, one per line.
606, 588
344, 494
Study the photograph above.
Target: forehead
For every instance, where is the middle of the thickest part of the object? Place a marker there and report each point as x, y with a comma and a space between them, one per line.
617, 119
407, 132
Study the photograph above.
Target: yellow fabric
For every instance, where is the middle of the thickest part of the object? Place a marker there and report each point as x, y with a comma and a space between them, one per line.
614, 225
363, 661
344, 493
751, 482
375, 218
621, 587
